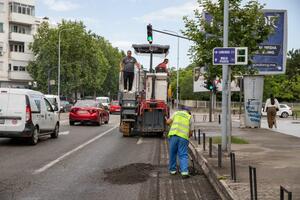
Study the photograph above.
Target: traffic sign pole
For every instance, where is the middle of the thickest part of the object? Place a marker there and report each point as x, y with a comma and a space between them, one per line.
225, 75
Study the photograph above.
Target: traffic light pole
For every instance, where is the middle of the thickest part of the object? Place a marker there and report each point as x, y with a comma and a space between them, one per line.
211, 106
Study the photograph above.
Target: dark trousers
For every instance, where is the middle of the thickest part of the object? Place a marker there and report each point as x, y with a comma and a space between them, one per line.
128, 77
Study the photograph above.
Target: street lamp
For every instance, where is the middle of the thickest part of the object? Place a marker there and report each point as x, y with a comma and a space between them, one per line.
177, 81
58, 74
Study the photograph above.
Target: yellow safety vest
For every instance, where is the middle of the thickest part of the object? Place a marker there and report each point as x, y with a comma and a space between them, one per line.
180, 125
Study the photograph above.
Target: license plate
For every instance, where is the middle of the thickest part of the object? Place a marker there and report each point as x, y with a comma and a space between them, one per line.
82, 112
2, 121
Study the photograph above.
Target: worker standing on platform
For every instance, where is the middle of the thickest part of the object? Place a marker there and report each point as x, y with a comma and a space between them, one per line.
127, 67
179, 134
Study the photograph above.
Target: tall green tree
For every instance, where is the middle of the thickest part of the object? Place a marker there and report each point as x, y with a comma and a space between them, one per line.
85, 60
247, 28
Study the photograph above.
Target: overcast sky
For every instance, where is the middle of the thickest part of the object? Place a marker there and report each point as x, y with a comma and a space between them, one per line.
123, 22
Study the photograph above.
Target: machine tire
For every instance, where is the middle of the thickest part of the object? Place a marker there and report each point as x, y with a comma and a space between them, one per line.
55, 132
33, 140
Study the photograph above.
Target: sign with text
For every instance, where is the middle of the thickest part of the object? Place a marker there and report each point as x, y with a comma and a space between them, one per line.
230, 56
272, 56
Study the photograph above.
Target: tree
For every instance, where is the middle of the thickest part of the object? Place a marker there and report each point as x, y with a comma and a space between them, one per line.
247, 28
85, 60
285, 87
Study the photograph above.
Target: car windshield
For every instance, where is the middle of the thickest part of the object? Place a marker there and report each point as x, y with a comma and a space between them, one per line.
102, 100
86, 103
115, 103
52, 100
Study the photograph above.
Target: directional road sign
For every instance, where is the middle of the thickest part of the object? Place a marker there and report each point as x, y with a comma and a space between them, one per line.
230, 56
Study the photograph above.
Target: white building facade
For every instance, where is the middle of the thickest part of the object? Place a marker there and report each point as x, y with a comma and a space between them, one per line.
17, 27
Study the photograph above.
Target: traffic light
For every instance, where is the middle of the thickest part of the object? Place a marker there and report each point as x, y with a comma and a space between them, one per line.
149, 33
209, 85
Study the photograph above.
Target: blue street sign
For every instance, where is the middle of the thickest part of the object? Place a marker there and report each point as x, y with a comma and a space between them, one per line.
224, 56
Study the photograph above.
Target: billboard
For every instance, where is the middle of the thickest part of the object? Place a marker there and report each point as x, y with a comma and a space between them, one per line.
272, 59
199, 82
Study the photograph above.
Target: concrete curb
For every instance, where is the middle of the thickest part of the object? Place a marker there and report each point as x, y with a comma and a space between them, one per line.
219, 185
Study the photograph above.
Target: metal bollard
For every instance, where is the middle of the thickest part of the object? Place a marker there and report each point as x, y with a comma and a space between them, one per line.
210, 147
195, 137
219, 156
232, 166
253, 183
199, 140
204, 141
219, 119
282, 191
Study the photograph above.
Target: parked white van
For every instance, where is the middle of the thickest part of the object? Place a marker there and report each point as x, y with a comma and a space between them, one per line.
26, 113
104, 101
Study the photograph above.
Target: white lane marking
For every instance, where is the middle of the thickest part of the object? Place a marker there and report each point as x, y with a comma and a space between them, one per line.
140, 141
64, 133
64, 122
50, 164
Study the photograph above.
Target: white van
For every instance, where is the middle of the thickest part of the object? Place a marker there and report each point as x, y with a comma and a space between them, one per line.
54, 101
104, 101
26, 113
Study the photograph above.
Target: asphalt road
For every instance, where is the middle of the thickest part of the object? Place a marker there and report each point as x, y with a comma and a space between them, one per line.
74, 167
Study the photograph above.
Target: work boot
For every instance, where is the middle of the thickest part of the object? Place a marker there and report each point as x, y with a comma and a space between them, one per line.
173, 172
185, 175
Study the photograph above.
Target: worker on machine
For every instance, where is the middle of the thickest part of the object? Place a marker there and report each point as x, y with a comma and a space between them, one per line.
162, 67
127, 66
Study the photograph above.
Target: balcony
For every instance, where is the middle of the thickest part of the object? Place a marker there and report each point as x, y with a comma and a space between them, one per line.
21, 18
28, 2
19, 37
20, 56
17, 75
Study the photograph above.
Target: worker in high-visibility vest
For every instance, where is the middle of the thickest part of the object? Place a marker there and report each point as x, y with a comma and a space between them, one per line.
181, 130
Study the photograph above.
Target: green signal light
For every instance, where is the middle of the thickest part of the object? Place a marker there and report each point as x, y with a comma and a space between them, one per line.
149, 38
211, 87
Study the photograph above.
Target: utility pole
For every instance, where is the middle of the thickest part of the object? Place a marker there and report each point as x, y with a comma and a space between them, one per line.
225, 85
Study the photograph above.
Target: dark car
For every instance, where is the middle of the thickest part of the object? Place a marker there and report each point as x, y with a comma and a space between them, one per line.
88, 111
65, 106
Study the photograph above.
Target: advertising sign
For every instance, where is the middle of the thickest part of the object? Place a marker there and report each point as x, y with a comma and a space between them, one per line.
199, 85
272, 58
253, 89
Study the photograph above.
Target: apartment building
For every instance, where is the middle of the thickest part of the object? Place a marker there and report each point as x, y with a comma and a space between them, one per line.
17, 26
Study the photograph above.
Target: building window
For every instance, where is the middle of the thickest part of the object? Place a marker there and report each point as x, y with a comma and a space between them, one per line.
1, 27
21, 8
1, 6
9, 67
22, 68
16, 68
17, 47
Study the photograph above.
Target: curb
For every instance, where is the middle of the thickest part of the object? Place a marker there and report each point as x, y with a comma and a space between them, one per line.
219, 185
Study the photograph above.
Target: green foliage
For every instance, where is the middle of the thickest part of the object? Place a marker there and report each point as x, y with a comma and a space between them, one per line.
86, 59
247, 28
285, 87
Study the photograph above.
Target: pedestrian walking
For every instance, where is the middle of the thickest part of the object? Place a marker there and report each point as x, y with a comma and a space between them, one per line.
127, 67
179, 134
271, 107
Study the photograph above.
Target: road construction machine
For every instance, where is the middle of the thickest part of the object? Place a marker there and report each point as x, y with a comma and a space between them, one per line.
145, 109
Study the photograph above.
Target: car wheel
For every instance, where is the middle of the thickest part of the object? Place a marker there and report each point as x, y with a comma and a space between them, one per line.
71, 123
284, 115
33, 140
100, 121
55, 132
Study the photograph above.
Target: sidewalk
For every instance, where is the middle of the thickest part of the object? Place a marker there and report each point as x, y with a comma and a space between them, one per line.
276, 157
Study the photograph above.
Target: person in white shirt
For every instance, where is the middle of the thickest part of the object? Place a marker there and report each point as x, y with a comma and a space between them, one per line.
271, 107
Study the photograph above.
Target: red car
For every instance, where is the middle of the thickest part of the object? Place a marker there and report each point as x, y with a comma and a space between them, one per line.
114, 107
88, 111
